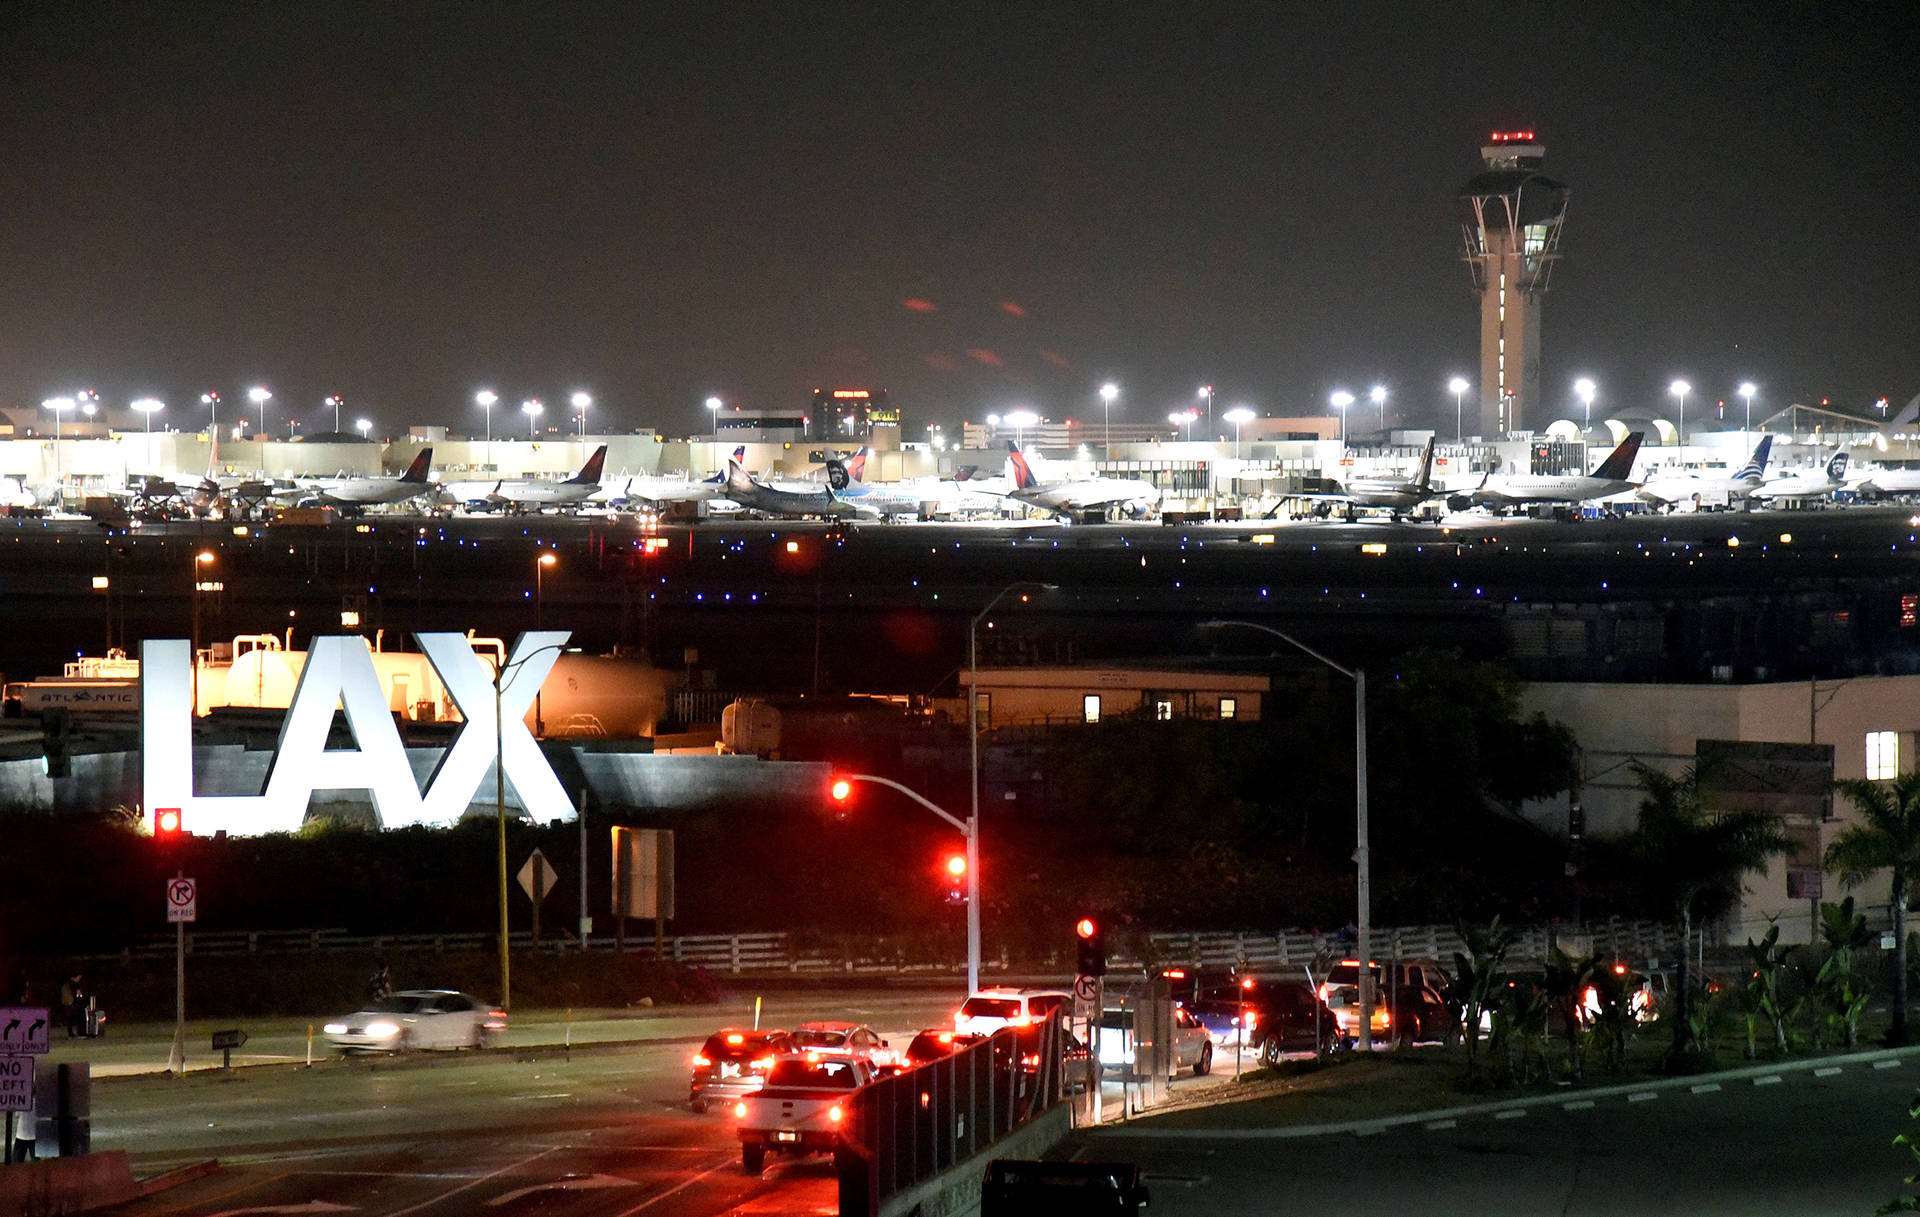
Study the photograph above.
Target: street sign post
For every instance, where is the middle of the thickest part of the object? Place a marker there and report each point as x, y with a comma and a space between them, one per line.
24, 1030
182, 899
183, 902
224, 1042
536, 878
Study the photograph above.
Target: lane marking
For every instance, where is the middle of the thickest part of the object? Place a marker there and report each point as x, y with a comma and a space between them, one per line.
1578, 1105
1892, 1064
726, 1162
1828, 1072
431, 1201
1772, 1079
572, 1183
233, 1191
1437, 1125
1643, 1096
1706, 1088
1511, 1113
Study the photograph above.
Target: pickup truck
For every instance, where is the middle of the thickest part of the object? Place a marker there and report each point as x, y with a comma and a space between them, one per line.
801, 1108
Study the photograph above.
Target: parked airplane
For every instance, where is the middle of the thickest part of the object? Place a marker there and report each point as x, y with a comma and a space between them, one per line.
1396, 494
358, 491
755, 495
540, 492
1076, 497
1807, 484
1611, 477
655, 491
924, 497
1709, 490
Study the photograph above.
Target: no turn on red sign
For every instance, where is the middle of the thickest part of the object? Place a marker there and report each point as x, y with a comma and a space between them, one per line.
182, 898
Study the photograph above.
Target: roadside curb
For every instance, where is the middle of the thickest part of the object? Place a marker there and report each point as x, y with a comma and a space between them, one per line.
1574, 1099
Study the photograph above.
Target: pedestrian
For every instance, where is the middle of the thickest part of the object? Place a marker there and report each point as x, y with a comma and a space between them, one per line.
73, 1000
379, 985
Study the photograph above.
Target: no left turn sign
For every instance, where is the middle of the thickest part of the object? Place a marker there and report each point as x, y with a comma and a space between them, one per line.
182, 895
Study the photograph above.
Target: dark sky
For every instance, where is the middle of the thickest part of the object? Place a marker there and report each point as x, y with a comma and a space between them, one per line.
996, 205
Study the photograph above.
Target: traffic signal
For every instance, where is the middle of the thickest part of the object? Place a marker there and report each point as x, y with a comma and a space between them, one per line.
840, 796
1093, 948
168, 827
956, 872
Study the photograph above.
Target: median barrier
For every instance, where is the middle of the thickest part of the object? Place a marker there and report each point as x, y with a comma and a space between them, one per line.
78, 1184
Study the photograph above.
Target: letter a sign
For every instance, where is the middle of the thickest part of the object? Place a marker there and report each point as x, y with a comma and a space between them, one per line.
339, 674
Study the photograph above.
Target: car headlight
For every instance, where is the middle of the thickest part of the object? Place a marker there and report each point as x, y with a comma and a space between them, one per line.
335, 1028
382, 1031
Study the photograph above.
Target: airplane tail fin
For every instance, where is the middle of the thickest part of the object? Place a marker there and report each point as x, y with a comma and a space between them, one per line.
589, 474
1837, 466
857, 465
737, 477
1424, 482
1756, 466
417, 471
1023, 478
1619, 463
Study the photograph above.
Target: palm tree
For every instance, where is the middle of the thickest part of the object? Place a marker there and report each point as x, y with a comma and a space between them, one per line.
1886, 838
1695, 859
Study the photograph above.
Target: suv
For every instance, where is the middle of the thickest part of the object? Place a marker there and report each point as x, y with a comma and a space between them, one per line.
991, 1009
1410, 998
733, 1063
1281, 1014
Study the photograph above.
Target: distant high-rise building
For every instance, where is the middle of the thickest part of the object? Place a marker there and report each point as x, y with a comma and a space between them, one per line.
1511, 215
849, 414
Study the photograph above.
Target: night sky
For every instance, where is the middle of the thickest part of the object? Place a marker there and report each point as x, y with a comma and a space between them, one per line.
998, 206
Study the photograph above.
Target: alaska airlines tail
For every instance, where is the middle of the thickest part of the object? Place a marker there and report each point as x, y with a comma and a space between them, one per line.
1756, 467
1837, 466
1619, 464
416, 473
589, 474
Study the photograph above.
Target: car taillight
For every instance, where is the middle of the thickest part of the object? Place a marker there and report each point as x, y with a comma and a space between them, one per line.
1253, 1020
496, 1020
1020, 1020
1030, 1061
700, 1061
763, 1064
736, 1039
834, 1113
739, 1111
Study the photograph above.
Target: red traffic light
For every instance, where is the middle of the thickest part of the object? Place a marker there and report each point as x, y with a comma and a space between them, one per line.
841, 789
957, 865
1085, 927
166, 823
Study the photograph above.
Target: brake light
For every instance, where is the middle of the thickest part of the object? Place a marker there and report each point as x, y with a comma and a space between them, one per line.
763, 1064
1020, 1020
1030, 1061
1619, 969
739, 1111
1253, 1020
1174, 973
946, 1037
834, 1113
736, 1039
700, 1060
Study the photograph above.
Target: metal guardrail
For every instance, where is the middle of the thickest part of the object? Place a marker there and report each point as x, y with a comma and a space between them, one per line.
1297, 948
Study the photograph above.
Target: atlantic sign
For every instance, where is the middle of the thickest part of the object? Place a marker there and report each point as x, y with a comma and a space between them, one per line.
339, 673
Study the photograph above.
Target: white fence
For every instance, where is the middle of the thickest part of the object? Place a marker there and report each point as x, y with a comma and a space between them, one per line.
1297, 948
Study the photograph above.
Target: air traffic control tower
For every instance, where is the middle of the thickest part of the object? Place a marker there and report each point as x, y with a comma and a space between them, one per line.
1510, 216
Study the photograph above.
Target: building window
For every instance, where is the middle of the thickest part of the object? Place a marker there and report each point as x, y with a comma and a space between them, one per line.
1090, 708
982, 711
1883, 756
1162, 710
1229, 707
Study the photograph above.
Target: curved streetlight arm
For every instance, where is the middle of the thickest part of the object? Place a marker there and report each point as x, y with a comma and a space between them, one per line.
915, 795
500, 682
1349, 673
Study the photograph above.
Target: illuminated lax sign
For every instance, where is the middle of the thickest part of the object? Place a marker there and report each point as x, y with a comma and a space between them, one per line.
339, 673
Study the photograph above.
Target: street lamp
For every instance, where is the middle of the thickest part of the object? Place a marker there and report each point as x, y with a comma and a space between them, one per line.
59, 406
200, 584
1584, 388
364, 426
580, 402
336, 401
1108, 392
1020, 420
540, 567
500, 682
1341, 399
1238, 416
1458, 387
1363, 926
1206, 391
713, 408
146, 406
1379, 396
1680, 389
969, 831
973, 740
485, 399
259, 396
531, 408
1747, 391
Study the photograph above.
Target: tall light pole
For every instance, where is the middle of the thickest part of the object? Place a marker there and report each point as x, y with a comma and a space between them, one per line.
580, 402
59, 406
1584, 388
1363, 925
973, 742
1206, 391
336, 401
1341, 399
1747, 391
1238, 416
485, 399
1108, 392
500, 681
364, 426
211, 400
1379, 396
1458, 387
146, 406
1680, 389
531, 408
1020, 420
540, 567
713, 411
259, 396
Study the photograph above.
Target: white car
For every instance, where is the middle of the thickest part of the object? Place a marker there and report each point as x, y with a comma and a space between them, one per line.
1192, 1046
844, 1039
991, 1009
418, 1018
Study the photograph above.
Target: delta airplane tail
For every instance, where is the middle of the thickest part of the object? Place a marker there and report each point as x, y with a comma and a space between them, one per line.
739, 458
857, 465
589, 474
416, 473
1022, 478
1618, 466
